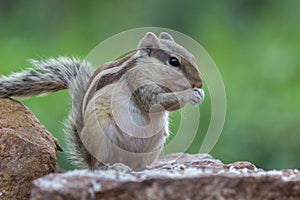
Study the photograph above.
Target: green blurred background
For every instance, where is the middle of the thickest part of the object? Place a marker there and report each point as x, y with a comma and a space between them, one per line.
255, 44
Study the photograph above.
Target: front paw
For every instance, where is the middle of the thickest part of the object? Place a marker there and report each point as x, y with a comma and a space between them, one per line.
197, 96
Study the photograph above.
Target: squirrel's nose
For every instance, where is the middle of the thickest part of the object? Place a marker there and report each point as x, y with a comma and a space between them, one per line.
197, 85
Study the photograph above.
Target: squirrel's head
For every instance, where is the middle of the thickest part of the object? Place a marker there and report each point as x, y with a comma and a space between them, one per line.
167, 63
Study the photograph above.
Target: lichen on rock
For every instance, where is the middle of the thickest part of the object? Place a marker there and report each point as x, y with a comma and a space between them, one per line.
175, 176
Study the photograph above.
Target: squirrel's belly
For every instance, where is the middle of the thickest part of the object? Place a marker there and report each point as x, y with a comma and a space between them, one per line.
109, 144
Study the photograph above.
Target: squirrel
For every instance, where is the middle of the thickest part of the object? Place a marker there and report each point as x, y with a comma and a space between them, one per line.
120, 111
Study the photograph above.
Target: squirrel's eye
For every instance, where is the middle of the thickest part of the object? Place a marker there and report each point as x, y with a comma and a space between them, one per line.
174, 61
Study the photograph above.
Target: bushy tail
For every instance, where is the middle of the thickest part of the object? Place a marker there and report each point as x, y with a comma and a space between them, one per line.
49, 76
46, 77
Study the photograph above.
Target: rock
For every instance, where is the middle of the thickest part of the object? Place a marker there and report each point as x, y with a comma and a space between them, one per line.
175, 176
27, 150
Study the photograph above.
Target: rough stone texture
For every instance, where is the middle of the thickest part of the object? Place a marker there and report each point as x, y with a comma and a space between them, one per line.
27, 150
176, 176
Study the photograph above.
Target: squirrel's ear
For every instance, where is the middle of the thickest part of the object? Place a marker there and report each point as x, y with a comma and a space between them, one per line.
166, 36
149, 41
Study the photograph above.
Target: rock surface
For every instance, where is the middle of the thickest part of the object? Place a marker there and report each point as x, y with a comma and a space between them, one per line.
27, 150
176, 176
